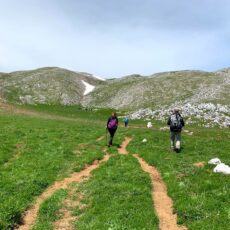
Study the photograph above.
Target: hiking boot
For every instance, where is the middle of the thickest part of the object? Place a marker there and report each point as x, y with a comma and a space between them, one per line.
177, 150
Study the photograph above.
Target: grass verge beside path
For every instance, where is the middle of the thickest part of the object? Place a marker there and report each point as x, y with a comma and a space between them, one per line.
201, 197
36, 152
118, 196
48, 212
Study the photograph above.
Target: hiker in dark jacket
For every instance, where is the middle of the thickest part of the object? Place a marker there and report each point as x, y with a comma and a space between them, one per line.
112, 125
176, 123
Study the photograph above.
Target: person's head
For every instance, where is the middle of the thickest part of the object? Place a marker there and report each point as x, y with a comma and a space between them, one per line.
113, 114
176, 110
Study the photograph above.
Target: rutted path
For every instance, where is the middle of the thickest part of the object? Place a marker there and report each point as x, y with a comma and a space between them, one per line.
122, 149
31, 215
66, 222
162, 202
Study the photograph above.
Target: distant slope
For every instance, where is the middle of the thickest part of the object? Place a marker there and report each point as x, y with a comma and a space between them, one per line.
49, 85
162, 90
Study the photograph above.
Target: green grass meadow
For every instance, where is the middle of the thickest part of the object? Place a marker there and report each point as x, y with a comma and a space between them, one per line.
37, 151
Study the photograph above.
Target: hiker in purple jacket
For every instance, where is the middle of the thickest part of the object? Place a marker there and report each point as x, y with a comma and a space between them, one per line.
112, 125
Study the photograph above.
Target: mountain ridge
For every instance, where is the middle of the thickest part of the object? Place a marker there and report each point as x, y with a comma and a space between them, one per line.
54, 85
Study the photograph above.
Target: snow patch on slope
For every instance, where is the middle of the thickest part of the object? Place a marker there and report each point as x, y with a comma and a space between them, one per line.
100, 78
88, 88
91, 75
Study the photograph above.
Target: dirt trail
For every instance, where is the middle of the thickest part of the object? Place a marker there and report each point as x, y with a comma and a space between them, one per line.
100, 138
162, 202
122, 149
66, 222
31, 215
16, 154
16, 110
13, 109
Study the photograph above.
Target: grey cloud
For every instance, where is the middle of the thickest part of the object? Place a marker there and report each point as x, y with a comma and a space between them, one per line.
115, 38
168, 14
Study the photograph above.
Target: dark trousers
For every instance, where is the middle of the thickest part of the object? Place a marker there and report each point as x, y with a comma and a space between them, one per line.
175, 139
112, 133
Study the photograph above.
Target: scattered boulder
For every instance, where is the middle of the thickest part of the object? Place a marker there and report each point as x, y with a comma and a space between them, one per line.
214, 161
222, 168
149, 125
205, 114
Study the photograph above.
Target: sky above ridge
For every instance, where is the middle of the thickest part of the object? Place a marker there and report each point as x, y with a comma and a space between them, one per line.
112, 38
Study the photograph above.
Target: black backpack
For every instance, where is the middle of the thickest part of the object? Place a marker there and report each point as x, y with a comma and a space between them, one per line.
175, 122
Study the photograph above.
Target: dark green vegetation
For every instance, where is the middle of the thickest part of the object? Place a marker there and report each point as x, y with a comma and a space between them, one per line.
36, 151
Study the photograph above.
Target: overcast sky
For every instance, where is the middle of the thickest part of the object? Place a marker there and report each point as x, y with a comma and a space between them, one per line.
113, 38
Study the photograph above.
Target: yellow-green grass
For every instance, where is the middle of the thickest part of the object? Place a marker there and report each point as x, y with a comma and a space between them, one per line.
35, 152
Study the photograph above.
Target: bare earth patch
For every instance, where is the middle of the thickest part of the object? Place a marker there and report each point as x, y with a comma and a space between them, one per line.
31, 214
199, 164
67, 220
65, 223
100, 138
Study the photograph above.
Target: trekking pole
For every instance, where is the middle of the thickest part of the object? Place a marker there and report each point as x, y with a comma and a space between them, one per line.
106, 135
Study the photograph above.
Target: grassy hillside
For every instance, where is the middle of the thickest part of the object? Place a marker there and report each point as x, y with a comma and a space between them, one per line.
45, 86
162, 90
